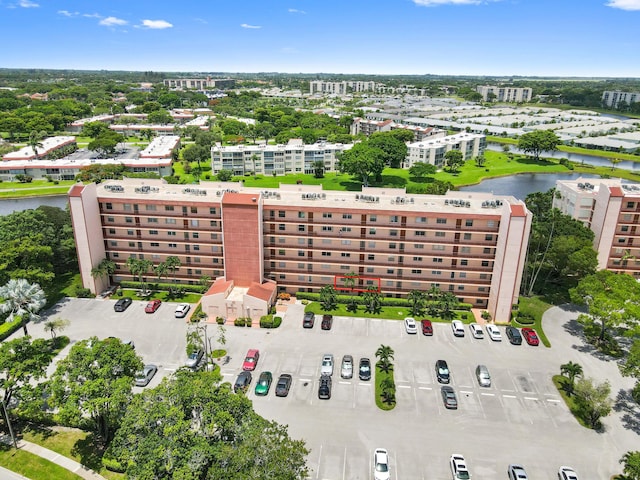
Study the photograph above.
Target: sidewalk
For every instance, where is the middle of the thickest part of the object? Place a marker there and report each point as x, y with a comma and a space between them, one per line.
56, 458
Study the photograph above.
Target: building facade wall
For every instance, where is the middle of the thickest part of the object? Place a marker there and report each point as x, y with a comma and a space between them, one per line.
612, 99
505, 94
433, 150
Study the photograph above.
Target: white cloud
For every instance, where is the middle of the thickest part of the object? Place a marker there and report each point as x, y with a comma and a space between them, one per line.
294, 10
625, 4
28, 4
435, 3
156, 24
92, 15
112, 21
67, 13
246, 25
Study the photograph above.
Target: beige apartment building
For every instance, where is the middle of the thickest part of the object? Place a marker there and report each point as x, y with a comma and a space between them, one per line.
433, 150
611, 209
505, 94
368, 127
301, 238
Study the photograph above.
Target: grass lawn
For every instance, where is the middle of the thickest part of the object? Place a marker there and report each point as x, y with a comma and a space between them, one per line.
560, 381
73, 443
32, 466
379, 377
536, 307
389, 313
35, 188
187, 297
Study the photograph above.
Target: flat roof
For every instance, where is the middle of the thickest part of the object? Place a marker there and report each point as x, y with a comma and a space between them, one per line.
160, 147
48, 144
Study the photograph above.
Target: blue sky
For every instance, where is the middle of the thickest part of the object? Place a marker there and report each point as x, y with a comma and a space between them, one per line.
458, 37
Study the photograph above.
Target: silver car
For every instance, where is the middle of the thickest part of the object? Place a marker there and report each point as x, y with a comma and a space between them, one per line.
346, 370
327, 365
144, 377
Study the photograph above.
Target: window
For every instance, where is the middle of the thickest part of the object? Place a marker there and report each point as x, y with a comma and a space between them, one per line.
281, 226
170, 221
392, 246
302, 214
371, 245
394, 219
152, 220
327, 228
345, 229
345, 254
128, 219
390, 271
301, 228
441, 221
115, 255
484, 276
326, 241
488, 238
485, 263
393, 233
326, 254
112, 231
621, 240
196, 247
195, 223
168, 208
155, 244
346, 216
195, 235
372, 231
111, 219
371, 257
300, 241
281, 213
113, 243
301, 253
417, 259
416, 271
465, 249
437, 260
437, 247
462, 274
153, 232
436, 272
421, 219
346, 242
491, 223
467, 236
420, 233
213, 223
173, 245
129, 232
171, 234
468, 223
464, 263
327, 215
486, 251
281, 252
630, 204
132, 244
151, 208
212, 211
373, 218
108, 206
439, 234
194, 209
624, 228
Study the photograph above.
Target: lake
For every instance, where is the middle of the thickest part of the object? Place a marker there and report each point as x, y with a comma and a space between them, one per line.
11, 205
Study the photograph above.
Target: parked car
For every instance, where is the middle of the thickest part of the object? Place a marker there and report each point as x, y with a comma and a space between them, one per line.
410, 325
194, 359
122, 304
427, 327
251, 360
449, 397
567, 473
476, 331
327, 321
308, 320
153, 305
182, 309
346, 369
459, 468
327, 365
264, 383
381, 464
364, 369
458, 328
530, 336
513, 334
283, 385
516, 472
442, 372
494, 333
242, 382
482, 374
324, 389
144, 377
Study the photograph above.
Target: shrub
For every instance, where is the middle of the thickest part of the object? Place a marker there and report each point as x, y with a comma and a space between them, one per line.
165, 286
7, 328
284, 296
269, 321
220, 320
525, 318
113, 465
81, 292
239, 322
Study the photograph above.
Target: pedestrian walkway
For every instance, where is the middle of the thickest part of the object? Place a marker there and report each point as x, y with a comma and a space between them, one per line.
53, 457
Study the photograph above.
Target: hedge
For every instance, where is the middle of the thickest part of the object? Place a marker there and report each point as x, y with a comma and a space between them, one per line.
269, 321
7, 328
113, 465
384, 301
166, 286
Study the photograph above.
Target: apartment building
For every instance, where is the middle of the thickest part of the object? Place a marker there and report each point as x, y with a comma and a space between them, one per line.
199, 83
612, 99
48, 146
294, 157
433, 150
367, 127
302, 238
341, 88
611, 209
505, 94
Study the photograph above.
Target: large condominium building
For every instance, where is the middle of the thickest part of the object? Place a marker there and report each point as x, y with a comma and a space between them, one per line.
505, 94
611, 209
612, 99
295, 157
301, 238
367, 127
433, 150
199, 83
341, 88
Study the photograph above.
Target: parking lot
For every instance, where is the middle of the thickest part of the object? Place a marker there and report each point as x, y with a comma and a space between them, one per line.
519, 419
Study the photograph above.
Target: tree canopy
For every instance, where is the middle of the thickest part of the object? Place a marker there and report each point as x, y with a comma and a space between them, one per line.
536, 142
363, 161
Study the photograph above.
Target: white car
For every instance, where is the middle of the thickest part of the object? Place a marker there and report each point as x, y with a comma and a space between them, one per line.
459, 468
327, 365
410, 325
458, 328
567, 473
182, 309
381, 465
494, 333
516, 472
476, 331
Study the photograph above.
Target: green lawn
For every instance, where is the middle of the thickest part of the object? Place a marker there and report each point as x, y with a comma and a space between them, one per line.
379, 377
187, 297
389, 313
73, 443
560, 382
536, 307
32, 466
35, 188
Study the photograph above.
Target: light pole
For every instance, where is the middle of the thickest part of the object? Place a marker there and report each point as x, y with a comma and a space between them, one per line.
6, 416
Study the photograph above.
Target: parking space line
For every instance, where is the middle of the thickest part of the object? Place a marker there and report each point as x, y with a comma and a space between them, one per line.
466, 386
344, 464
344, 383
509, 396
425, 388
554, 400
319, 457
363, 383
488, 394
466, 392
404, 386
530, 398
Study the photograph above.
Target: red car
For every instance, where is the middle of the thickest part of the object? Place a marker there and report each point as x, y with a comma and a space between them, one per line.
427, 328
152, 306
251, 360
530, 336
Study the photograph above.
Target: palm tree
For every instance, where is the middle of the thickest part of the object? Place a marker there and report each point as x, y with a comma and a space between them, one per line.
631, 465
388, 388
447, 304
133, 264
254, 158
384, 354
22, 300
416, 299
161, 270
106, 267
173, 263
35, 140
614, 162
571, 370
145, 266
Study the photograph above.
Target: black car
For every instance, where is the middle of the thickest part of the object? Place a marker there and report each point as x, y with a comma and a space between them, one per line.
327, 321
242, 382
442, 372
514, 336
122, 304
364, 370
283, 385
307, 321
324, 390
